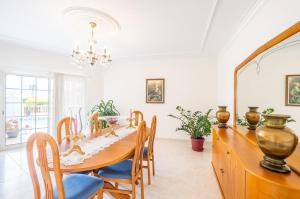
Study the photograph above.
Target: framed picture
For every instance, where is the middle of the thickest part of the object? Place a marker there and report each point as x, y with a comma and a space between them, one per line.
292, 90
155, 90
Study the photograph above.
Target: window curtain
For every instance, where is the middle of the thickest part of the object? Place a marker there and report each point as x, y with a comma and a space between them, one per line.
70, 92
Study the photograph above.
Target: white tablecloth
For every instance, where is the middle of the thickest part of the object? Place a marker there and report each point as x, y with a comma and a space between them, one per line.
93, 146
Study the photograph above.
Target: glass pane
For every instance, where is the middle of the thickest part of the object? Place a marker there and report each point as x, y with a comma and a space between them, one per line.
41, 121
12, 130
42, 83
29, 83
13, 95
26, 134
42, 103
42, 130
28, 106
28, 123
13, 109
13, 81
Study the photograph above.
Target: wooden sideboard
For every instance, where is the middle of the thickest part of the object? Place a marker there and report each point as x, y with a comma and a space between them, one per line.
235, 160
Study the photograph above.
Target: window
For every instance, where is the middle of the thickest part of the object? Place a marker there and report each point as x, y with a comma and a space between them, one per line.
28, 107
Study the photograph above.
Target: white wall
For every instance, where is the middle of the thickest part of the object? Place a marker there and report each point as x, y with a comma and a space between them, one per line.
189, 82
267, 89
269, 20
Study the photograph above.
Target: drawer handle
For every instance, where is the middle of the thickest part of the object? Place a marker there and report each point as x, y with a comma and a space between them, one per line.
228, 152
222, 171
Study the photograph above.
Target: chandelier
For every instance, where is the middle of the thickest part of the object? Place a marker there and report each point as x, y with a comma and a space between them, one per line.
90, 57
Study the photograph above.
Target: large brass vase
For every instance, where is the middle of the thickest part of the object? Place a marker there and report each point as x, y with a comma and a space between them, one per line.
277, 142
222, 116
252, 117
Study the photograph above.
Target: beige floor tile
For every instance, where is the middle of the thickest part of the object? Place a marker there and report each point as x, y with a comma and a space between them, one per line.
180, 174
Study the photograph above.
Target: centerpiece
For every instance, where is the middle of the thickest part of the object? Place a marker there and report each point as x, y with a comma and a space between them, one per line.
108, 111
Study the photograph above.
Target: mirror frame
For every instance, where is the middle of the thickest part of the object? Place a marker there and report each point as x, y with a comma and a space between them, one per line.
279, 38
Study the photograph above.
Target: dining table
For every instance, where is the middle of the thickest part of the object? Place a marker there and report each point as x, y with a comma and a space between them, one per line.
116, 152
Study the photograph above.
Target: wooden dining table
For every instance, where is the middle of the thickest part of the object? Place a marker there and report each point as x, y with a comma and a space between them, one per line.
118, 151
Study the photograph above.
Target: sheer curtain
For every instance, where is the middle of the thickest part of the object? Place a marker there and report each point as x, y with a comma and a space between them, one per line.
70, 92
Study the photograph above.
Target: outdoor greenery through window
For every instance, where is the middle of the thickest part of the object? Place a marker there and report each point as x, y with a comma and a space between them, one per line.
28, 107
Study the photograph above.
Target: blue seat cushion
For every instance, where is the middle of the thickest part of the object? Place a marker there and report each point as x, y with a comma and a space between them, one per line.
145, 151
80, 186
120, 170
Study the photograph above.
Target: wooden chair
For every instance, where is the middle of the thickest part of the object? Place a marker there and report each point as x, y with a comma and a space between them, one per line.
128, 171
66, 122
149, 151
72, 186
95, 123
137, 115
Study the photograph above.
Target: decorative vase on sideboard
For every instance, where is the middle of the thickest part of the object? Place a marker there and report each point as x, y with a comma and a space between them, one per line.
277, 142
222, 116
252, 117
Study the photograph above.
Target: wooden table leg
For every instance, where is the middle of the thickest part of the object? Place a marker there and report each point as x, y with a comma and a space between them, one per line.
108, 185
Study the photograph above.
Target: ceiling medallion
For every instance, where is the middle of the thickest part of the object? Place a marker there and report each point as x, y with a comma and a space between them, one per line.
78, 18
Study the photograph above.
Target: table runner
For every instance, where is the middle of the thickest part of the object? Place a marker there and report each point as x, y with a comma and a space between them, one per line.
95, 145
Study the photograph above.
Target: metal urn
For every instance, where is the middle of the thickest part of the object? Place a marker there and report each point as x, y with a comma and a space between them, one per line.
252, 117
222, 116
277, 142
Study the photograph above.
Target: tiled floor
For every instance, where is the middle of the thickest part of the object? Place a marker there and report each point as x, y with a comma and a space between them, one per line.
180, 173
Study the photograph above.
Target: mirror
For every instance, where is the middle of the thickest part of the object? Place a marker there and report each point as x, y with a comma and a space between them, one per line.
271, 78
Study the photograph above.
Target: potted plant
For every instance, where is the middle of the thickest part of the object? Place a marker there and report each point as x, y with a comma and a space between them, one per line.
106, 109
12, 128
196, 124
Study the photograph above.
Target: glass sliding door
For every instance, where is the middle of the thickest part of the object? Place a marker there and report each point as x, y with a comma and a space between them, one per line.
26, 107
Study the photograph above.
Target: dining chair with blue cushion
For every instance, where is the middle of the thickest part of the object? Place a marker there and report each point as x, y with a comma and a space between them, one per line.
149, 150
74, 186
128, 171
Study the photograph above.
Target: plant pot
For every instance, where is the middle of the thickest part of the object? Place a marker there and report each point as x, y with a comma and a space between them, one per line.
197, 144
12, 133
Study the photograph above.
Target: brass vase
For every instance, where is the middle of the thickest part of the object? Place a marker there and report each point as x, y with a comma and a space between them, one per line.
252, 117
222, 116
277, 142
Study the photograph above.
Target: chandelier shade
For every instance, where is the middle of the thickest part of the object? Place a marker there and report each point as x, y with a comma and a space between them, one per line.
90, 57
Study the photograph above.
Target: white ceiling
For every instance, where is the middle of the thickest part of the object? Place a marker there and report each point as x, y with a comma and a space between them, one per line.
148, 27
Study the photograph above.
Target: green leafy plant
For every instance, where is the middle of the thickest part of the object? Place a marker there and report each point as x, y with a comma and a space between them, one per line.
197, 124
105, 109
243, 121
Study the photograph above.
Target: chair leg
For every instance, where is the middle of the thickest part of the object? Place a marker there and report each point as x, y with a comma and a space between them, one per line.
142, 184
133, 190
100, 194
148, 168
153, 169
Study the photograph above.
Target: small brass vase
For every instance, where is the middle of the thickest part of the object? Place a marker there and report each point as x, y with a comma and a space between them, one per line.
277, 142
222, 116
252, 117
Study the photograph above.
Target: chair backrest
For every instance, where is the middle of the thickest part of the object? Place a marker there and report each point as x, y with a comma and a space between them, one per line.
42, 140
152, 135
95, 123
137, 115
137, 162
64, 121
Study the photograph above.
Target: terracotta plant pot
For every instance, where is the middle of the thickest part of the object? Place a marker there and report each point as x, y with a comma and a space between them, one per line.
197, 144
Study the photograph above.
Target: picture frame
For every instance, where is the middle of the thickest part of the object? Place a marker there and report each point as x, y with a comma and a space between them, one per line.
292, 90
155, 90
